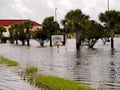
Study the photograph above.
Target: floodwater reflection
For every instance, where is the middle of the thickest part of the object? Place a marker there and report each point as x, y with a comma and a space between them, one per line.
98, 68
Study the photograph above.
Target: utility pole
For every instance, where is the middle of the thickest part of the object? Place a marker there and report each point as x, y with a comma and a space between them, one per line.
108, 5
55, 14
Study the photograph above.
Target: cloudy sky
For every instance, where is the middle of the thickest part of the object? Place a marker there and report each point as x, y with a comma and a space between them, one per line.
37, 10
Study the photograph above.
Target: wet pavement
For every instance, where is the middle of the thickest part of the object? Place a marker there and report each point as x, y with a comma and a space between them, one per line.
98, 68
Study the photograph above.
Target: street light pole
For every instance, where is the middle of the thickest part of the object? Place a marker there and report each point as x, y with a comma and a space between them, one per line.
108, 5
55, 14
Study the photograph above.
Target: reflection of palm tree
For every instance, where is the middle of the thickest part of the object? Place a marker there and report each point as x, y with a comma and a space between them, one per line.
112, 72
111, 18
78, 21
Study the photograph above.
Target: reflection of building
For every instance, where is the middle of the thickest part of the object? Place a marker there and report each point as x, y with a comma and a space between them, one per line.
8, 22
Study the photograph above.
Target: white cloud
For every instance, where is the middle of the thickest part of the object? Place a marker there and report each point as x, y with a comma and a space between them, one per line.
20, 6
50, 4
39, 9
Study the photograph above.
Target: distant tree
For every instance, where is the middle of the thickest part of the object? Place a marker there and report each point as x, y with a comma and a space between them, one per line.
22, 34
50, 27
11, 31
106, 35
117, 28
41, 36
27, 26
67, 27
111, 18
77, 21
2, 29
15, 31
91, 36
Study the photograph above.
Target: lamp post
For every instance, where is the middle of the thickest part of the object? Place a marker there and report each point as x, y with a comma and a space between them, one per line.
55, 14
108, 5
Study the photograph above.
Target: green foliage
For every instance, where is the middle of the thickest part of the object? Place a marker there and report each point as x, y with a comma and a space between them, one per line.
22, 34
91, 36
4, 39
8, 62
31, 70
2, 29
96, 30
45, 82
50, 26
40, 35
111, 18
56, 83
76, 21
48, 82
76, 17
117, 28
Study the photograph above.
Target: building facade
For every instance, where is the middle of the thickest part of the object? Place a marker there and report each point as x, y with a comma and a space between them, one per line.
8, 22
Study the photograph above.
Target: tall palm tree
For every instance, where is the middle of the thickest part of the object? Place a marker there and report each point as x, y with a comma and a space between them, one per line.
51, 27
111, 18
22, 34
28, 25
78, 21
11, 31
16, 31
2, 29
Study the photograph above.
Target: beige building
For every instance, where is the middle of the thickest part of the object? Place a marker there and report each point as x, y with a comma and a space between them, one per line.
8, 22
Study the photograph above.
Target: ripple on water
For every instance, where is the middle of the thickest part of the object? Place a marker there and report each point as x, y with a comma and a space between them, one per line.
99, 68
11, 81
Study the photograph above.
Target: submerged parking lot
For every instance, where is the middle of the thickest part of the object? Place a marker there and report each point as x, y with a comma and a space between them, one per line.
98, 68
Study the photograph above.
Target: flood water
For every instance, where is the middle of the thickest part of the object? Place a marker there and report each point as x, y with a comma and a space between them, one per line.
11, 81
98, 68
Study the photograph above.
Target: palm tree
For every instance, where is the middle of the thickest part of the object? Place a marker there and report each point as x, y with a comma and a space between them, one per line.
2, 29
11, 31
78, 21
22, 34
28, 25
111, 18
16, 31
51, 27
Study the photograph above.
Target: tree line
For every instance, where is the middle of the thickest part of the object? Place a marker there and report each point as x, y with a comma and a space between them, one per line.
87, 31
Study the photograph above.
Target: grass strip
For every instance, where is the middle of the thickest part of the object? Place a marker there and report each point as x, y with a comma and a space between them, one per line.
8, 62
47, 82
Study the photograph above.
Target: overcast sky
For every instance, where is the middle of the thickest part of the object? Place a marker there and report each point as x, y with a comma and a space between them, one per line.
37, 10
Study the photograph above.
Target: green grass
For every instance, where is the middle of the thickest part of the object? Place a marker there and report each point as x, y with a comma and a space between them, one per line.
31, 70
56, 83
47, 82
8, 62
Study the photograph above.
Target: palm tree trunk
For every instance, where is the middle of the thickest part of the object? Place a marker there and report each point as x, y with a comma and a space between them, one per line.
50, 40
77, 40
28, 40
16, 41
23, 42
78, 37
28, 37
112, 38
